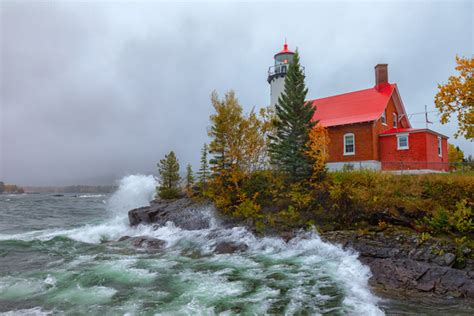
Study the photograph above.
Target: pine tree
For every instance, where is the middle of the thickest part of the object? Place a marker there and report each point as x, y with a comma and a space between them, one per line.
203, 172
293, 124
189, 180
169, 177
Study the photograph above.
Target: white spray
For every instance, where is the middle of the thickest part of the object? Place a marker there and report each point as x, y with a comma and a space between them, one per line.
306, 250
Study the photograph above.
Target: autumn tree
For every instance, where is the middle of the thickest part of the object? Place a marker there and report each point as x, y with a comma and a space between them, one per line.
457, 97
317, 151
239, 141
226, 133
455, 155
256, 131
189, 180
293, 124
168, 169
238, 147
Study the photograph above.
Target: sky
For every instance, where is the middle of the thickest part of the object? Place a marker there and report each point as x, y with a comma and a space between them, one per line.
93, 91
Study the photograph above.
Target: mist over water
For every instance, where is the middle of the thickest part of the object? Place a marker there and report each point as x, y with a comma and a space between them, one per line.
74, 263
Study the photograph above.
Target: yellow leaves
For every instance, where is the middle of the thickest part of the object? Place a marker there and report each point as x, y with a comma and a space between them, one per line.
299, 195
455, 154
317, 149
457, 97
247, 208
239, 147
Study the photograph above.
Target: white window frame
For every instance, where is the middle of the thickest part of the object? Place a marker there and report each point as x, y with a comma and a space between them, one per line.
383, 118
398, 142
440, 146
353, 144
395, 120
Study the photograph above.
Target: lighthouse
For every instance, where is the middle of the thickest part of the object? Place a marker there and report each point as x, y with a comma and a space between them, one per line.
277, 73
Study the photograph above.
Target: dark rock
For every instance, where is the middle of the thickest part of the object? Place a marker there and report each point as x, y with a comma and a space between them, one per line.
123, 238
229, 247
445, 260
287, 236
184, 213
145, 242
400, 262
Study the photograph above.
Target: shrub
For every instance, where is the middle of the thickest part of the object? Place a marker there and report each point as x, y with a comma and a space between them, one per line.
247, 209
461, 219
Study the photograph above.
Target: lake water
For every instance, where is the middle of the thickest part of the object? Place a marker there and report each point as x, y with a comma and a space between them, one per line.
56, 257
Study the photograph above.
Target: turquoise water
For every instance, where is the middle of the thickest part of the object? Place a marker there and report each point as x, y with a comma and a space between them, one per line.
59, 255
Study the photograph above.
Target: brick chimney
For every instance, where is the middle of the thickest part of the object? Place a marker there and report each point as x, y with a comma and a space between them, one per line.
381, 76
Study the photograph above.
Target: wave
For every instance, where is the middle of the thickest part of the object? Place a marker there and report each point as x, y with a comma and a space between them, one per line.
314, 259
35, 311
134, 191
91, 195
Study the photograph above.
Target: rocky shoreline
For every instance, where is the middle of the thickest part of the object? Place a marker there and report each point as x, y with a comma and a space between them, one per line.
402, 264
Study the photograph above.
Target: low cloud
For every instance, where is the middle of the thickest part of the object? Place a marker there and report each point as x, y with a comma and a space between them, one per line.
93, 91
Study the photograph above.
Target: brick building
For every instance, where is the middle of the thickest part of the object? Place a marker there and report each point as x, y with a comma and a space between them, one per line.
369, 128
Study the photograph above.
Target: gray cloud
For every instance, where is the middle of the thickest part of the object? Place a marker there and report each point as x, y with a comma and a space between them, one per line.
93, 91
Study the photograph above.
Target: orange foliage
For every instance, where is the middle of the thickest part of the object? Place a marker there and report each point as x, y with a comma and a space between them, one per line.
318, 150
457, 96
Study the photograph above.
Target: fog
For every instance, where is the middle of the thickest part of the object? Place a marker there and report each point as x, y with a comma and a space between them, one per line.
92, 91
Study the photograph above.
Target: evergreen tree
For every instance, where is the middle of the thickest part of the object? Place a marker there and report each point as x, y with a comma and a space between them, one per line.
189, 179
203, 172
293, 124
169, 177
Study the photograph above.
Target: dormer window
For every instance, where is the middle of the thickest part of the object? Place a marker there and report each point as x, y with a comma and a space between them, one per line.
395, 120
384, 118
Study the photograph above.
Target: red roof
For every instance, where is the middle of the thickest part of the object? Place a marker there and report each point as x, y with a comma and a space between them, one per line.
285, 50
402, 130
353, 107
394, 131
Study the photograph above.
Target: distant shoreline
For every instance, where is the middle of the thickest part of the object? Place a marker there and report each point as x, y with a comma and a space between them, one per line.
71, 189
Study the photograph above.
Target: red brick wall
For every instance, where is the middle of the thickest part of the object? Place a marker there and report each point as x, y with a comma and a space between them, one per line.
423, 148
379, 127
364, 142
436, 162
366, 138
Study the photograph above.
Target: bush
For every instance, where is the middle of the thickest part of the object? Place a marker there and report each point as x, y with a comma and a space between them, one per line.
352, 199
439, 220
168, 193
461, 219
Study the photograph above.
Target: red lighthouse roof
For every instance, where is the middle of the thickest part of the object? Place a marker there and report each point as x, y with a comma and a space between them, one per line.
285, 50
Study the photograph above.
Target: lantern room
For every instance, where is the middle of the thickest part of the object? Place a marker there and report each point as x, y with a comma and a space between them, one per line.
277, 73
282, 61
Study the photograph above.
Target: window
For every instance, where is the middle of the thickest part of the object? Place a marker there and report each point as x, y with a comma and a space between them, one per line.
349, 144
440, 151
395, 120
402, 141
384, 118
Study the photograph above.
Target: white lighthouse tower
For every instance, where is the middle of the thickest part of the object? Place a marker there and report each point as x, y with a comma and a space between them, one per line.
277, 73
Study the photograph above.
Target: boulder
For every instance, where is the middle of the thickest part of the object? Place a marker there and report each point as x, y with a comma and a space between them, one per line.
401, 262
184, 213
144, 242
406, 274
224, 247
